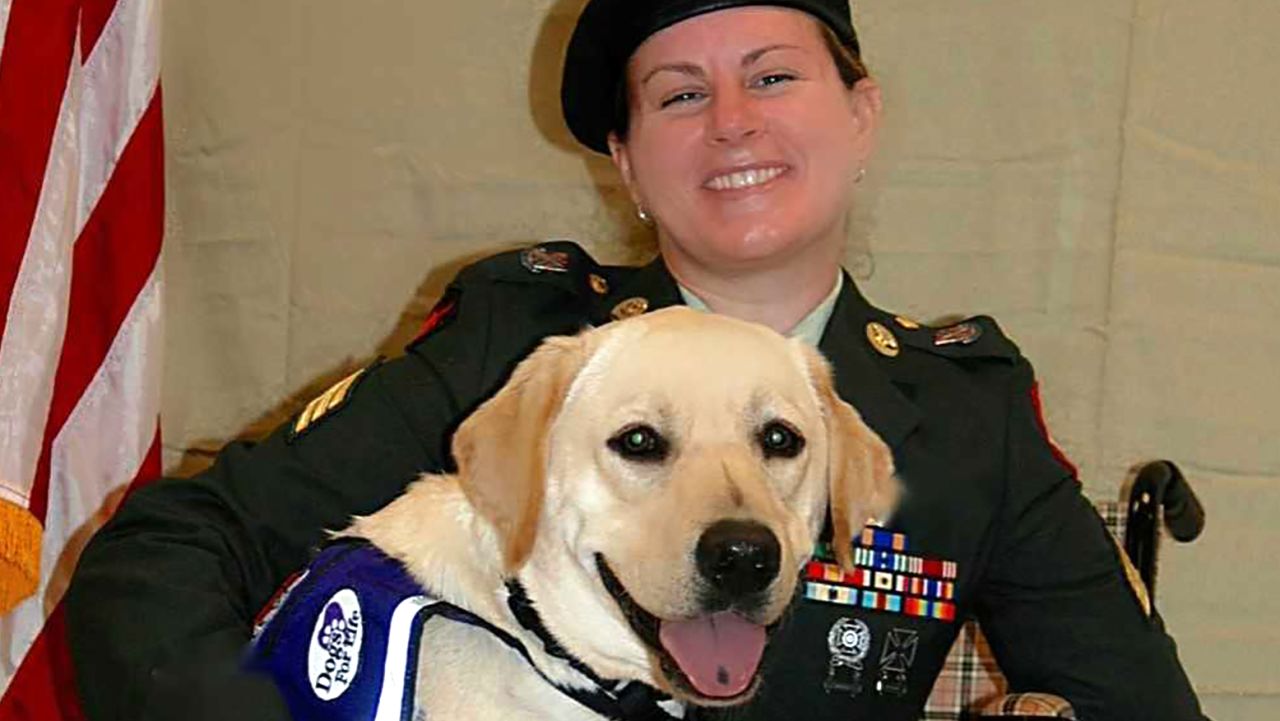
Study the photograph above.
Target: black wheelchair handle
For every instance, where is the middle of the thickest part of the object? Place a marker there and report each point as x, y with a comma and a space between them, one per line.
1183, 514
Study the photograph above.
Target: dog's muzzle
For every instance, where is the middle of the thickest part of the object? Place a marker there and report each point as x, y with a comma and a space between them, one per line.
714, 655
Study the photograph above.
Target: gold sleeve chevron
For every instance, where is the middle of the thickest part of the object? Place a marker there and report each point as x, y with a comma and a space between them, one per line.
19, 554
1136, 584
325, 402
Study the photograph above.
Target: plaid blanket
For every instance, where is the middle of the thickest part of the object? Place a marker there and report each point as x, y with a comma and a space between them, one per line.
970, 678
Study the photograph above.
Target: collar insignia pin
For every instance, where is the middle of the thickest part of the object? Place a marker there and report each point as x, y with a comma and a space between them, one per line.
883, 340
630, 308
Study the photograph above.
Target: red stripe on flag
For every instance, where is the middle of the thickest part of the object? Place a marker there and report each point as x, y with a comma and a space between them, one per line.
93, 18
33, 77
113, 258
43, 688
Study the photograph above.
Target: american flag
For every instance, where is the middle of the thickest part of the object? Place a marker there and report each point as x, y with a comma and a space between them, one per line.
81, 220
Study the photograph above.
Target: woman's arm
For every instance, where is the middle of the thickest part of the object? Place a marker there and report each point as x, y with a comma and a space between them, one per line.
1055, 603
162, 603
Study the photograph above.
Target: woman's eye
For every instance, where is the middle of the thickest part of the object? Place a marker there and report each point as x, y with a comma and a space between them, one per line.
685, 97
780, 440
640, 443
774, 79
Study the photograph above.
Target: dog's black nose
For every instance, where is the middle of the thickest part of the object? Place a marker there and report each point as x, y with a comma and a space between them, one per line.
738, 557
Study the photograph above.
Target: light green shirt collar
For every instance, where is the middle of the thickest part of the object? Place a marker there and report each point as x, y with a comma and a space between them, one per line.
809, 329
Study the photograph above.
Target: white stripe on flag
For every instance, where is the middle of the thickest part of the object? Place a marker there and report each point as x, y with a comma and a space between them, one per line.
98, 452
120, 76
37, 318
5, 5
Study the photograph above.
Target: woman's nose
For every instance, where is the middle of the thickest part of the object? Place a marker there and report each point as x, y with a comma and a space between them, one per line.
733, 116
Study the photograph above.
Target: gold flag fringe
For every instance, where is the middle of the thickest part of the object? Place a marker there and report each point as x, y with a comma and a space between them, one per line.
19, 555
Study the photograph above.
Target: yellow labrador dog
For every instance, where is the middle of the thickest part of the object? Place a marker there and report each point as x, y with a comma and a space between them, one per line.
635, 505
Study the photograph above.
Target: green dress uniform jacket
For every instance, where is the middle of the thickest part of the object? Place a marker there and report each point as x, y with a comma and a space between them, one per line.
162, 603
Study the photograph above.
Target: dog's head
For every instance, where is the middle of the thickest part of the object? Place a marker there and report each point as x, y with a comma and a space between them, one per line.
658, 483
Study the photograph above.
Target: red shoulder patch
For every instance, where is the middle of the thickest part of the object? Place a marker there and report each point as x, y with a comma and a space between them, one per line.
441, 314
1044, 431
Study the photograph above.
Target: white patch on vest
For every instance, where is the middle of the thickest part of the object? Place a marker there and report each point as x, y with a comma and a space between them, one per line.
391, 700
334, 656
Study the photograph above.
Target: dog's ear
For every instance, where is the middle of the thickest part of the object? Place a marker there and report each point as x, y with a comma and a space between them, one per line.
501, 448
860, 465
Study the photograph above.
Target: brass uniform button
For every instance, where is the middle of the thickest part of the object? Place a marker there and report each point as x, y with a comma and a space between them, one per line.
598, 284
630, 308
905, 322
882, 340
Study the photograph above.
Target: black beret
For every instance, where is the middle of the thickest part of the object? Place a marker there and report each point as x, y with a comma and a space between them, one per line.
608, 31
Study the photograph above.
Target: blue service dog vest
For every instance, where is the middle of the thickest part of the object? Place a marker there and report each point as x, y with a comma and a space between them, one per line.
341, 641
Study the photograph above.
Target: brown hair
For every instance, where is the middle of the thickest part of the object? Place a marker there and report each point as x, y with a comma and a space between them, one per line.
848, 64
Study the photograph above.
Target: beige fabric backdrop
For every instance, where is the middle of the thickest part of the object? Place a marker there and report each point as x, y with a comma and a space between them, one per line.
1101, 175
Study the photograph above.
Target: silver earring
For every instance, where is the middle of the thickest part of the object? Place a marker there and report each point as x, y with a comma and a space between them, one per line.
862, 173
642, 215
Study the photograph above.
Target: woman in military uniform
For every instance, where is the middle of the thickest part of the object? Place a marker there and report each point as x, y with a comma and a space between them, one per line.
741, 130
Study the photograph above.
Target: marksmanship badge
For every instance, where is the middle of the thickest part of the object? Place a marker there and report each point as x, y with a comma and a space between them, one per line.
848, 642
895, 662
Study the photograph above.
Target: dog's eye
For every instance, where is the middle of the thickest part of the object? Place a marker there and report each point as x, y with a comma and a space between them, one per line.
640, 443
780, 440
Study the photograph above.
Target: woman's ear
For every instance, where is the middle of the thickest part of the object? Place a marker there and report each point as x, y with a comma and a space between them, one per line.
867, 105
621, 156
501, 448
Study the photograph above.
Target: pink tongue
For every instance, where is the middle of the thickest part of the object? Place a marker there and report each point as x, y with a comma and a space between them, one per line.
719, 653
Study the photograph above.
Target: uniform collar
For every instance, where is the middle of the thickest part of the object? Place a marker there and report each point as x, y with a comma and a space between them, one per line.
861, 376
652, 282
809, 329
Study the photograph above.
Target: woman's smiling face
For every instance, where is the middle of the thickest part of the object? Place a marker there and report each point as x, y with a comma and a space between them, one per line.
744, 143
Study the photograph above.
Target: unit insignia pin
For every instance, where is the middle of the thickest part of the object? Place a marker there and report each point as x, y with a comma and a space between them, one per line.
540, 260
630, 308
848, 641
958, 334
882, 339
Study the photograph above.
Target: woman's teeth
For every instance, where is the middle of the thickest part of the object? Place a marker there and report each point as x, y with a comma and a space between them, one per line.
743, 179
